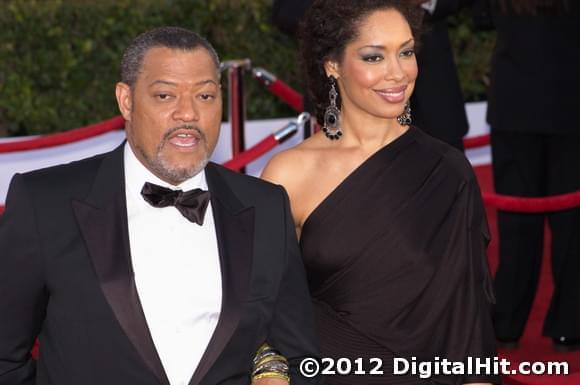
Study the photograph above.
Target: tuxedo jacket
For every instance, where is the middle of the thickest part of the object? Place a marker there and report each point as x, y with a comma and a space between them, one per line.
66, 277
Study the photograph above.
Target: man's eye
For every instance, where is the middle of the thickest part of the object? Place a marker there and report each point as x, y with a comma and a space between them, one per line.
163, 96
206, 97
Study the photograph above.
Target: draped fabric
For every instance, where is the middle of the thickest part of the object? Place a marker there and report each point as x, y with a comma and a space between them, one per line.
396, 262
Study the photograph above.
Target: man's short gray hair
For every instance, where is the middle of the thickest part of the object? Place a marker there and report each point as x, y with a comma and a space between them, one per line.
168, 37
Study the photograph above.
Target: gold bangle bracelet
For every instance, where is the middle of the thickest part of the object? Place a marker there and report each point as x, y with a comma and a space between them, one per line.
263, 348
278, 376
275, 357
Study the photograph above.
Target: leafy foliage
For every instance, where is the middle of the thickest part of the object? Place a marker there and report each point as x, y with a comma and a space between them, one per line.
59, 59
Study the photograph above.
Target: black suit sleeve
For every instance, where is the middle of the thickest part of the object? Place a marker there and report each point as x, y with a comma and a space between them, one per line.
22, 291
293, 331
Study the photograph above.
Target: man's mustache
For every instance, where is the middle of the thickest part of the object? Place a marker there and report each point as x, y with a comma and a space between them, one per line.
171, 131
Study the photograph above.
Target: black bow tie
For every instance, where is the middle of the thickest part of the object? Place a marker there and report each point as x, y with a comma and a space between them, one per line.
191, 204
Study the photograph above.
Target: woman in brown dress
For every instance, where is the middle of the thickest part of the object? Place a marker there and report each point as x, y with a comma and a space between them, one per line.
390, 220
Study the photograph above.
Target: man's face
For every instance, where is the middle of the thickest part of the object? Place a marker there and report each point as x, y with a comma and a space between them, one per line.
173, 112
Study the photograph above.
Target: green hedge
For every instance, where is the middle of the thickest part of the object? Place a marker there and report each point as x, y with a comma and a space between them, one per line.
59, 60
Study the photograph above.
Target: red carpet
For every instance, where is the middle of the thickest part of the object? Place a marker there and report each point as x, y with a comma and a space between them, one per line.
533, 346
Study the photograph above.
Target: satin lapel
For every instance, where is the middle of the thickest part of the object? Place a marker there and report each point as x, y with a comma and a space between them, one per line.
235, 232
102, 219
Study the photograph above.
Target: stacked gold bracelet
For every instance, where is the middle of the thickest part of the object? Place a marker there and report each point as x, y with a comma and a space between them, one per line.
269, 363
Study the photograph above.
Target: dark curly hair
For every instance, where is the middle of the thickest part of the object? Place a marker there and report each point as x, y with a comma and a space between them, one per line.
326, 29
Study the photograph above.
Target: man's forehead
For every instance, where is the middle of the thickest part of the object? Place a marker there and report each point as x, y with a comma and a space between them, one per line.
197, 61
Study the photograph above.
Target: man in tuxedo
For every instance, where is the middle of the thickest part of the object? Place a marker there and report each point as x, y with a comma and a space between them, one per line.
149, 265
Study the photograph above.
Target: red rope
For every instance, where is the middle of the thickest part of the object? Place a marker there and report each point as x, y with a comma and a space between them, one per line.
500, 202
532, 205
247, 156
244, 157
287, 94
66, 137
476, 141
278, 88
251, 154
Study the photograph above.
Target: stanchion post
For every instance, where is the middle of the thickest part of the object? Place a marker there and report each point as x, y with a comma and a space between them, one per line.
236, 103
291, 128
307, 133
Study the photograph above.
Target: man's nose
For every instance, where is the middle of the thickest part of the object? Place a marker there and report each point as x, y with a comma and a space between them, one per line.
186, 110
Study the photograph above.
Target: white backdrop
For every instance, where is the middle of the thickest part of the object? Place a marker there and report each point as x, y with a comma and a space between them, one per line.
11, 163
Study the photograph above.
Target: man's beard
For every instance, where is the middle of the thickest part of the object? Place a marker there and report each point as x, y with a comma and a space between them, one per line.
161, 167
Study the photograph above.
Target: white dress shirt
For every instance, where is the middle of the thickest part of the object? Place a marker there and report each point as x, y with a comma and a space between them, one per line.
177, 272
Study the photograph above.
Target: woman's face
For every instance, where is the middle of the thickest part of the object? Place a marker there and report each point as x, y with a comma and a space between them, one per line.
377, 73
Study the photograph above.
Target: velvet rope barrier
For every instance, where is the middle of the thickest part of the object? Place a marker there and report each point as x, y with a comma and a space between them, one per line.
501, 202
245, 157
280, 89
476, 141
66, 137
286, 93
116, 123
532, 205
262, 147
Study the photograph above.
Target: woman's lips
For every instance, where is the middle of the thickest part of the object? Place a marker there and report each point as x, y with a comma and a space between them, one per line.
393, 95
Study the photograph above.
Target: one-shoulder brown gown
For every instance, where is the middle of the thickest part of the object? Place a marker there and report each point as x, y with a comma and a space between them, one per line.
396, 262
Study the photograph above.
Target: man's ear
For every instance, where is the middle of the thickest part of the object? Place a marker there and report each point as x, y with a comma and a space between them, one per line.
124, 99
331, 68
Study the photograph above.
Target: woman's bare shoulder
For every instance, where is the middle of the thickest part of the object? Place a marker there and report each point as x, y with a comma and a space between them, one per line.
290, 166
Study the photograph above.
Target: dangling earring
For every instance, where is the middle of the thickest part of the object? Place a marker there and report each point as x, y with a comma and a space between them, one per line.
331, 126
405, 118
